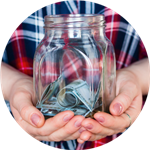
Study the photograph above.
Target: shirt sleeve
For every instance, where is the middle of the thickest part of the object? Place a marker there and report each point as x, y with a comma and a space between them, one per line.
142, 50
4, 57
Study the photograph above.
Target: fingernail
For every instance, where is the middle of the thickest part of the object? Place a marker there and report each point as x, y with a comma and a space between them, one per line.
81, 130
35, 119
100, 119
67, 118
118, 108
77, 124
80, 144
89, 126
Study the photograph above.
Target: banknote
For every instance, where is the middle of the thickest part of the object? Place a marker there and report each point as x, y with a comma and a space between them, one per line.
54, 108
76, 97
50, 90
66, 98
75, 93
86, 96
79, 110
51, 108
49, 112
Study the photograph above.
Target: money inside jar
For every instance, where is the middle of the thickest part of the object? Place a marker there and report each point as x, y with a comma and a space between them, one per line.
75, 96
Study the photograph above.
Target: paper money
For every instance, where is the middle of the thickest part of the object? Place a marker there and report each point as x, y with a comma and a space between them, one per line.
50, 90
74, 94
53, 108
83, 93
49, 112
80, 110
68, 99
76, 97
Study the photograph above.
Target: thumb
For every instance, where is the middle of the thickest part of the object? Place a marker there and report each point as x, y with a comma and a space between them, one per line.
124, 99
22, 102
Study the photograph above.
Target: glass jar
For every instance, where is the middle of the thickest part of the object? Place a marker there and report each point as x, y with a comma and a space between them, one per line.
74, 66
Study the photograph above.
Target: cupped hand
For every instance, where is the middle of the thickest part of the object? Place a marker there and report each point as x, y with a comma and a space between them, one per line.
62, 127
128, 101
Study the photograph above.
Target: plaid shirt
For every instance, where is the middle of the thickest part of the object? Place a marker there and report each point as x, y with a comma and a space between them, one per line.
21, 47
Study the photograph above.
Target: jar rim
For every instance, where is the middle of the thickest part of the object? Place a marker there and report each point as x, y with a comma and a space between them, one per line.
74, 20
73, 16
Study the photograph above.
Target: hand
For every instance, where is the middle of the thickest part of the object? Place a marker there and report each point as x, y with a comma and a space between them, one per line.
128, 100
63, 126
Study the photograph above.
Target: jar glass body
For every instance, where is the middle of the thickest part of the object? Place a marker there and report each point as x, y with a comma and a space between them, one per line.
74, 68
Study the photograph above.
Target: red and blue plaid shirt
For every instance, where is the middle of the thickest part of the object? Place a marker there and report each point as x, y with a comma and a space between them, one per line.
21, 47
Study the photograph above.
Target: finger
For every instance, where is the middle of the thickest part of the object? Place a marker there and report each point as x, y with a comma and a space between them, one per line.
80, 141
123, 100
123, 121
75, 135
68, 131
23, 124
22, 102
85, 136
55, 123
89, 137
96, 128
134, 110
116, 123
